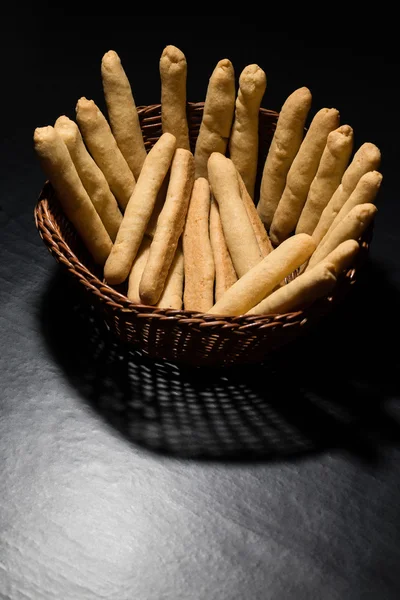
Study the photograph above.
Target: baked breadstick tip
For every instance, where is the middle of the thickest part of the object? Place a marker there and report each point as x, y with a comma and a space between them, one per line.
334, 161
367, 158
173, 74
351, 227
243, 141
91, 176
238, 231
218, 111
343, 256
139, 209
122, 111
104, 149
300, 293
170, 226
197, 251
286, 141
262, 279
301, 173
365, 191
62, 174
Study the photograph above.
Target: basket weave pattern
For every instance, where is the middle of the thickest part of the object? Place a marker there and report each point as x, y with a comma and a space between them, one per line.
178, 335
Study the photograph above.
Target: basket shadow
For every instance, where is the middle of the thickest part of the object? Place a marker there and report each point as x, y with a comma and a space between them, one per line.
327, 390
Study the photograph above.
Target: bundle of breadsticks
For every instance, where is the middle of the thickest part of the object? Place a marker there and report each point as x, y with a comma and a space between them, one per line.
183, 226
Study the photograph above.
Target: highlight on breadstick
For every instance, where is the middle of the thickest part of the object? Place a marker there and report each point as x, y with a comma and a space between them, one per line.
238, 231
57, 164
172, 294
289, 134
264, 277
260, 232
243, 141
122, 112
173, 74
103, 147
299, 293
91, 176
365, 191
367, 158
139, 209
197, 251
169, 227
218, 111
334, 161
225, 274
137, 270
350, 228
301, 173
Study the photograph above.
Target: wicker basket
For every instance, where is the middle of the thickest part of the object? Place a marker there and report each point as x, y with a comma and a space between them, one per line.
177, 335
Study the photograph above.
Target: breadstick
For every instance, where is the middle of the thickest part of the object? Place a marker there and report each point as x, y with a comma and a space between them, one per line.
367, 158
225, 274
173, 74
122, 112
103, 147
334, 161
91, 176
60, 170
350, 228
342, 257
219, 107
259, 230
139, 209
365, 191
300, 292
301, 173
160, 200
199, 262
172, 294
238, 231
137, 270
257, 283
243, 141
285, 144
169, 226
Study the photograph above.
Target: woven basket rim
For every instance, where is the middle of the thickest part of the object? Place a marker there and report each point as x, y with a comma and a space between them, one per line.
58, 247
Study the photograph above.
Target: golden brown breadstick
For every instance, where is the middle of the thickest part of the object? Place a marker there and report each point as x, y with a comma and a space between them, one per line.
139, 209
238, 231
91, 176
219, 107
300, 292
225, 274
103, 147
301, 173
172, 294
342, 257
60, 170
122, 112
260, 232
334, 161
243, 141
173, 73
365, 191
285, 144
257, 283
137, 270
169, 226
367, 158
158, 206
198, 292
350, 228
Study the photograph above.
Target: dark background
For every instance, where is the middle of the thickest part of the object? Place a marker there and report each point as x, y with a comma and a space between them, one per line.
125, 478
